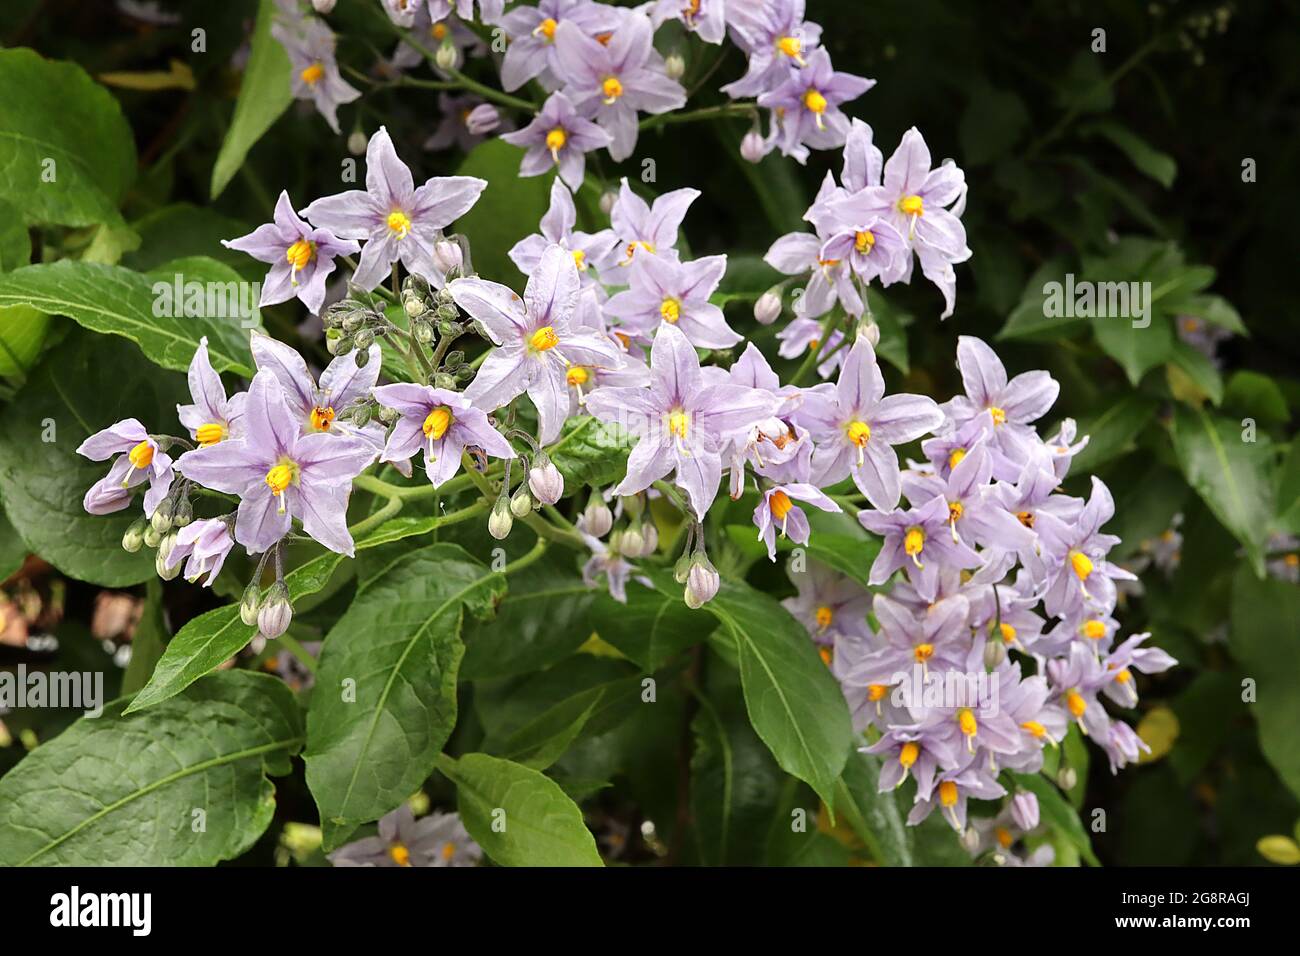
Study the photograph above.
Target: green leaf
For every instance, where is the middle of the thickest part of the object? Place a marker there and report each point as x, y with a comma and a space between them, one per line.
541, 621
1255, 395
1137, 350
264, 95
1145, 157
67, 154
15, 243
793, 702
650, 628
507, 211
386, 686
1111, 433
13, 550
545, 738
1056, 811
117, 301
1030, 319
874, 816
589, 452
1232, 476
1265, 639
87, 383
1213, 309
22, 333
183, 230
70, 803
147, 640
1193, 376
517, 815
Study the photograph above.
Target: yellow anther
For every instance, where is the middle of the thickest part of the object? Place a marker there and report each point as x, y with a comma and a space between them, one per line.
631, 250
827, 655
948, 793
543, 339
300, 253
1008, 632
612, 89
437, 422
998, 415
780, 504
955, 510
859, 433
555, 141
399, 223
877, 692
1005, 839
1082, 565
279, 478
1026, 518
322, 418
815, 102
923, 652
671, 310
955, 457
1094, 629
141, 456
399, 854
438, 31
547, 28
580, 260
824, 617
913, 542
966, 721
449, 849
1124, 676
1034, 728
577, 375
210, 433
907, 754
1075, 702
791, 47
864, 241
678, 423
312, 75
911, 206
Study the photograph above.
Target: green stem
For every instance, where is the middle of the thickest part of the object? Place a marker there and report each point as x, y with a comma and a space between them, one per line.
704, 113
518, 564
814, 355
459, 80
390, 508
536, 522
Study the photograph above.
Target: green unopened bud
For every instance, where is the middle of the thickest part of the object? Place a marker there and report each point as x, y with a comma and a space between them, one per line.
454, 358
361, 414
151, 537
500, 520
340, 346
1066, 778
183, 514
995, 652
276, 612
133, 539
249, 604
413, 305
423, 332
633, 505
682, 568
388, 415
364, 339
362, 356
160, 561
443, 380
353, 321
463, 374
162, 517
521, 503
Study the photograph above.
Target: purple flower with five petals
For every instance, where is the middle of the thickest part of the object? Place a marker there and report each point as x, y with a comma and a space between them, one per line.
206, 543
441, 422
676, 293
212, 417
651, 228
777, 507
919, 540
808, 104
399, 221
310, 45
591, 252
531, 53
558, 136
139, 458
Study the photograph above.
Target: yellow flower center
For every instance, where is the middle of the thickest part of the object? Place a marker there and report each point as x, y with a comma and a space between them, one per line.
1124, 676
580, 260
911, 206
1004, 837
815, 102
577, 375
1094, 629
312, 74
827, 654
955, 458
824, 617
300, 253
955, 510
948, 793
322, 418
678, 423
438, 31
1008, 632
913, 541
780, 504
437, 422
543, 339
400, 854
671, 310
907, 754
1026, 518
1082, 565
449, 849
859, 433
612, 89
864, 241
631, 249
1075, 702
998, 415
1034, 728
1292, 560
923, 652
556, 140
966, 721
280, 477
210, 433
547, 28
790, 46
399, 223
141, 456
876, 692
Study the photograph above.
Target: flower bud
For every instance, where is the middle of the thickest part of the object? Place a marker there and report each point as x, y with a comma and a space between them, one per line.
675, 65
133, 539
362, 357
387, 415
357, 143
443, 380
995, 652
545, 480
500, 521
869, 331
702, 582
447, 56
165, 546
970, 839
361, 415
276, 612
768, 307
682, 567
162, 517
633, 505
249, 603
607, 201
341, 345
413, 305
752, 147
521, 503
323, 7
151, 537
1024, 810
630, 541
649, 539
354, 320
1066, 778
482, 119
447, 256
597, 519
423, 332
183, 513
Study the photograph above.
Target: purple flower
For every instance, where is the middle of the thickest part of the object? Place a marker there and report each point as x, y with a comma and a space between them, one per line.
206, 543
953, 789
652, 228
531, 53
465, 121
301, 256
315, 408
399, 221
592, 252
212, 417
441, 422
682, 424
802, 334
280, 474
536, 340
777, 507
558, 136
607, 562
310, 45
903, 752
936, 638
919, 540
809, 106
707, 19
439, 839
676, 293
1130, 657
139, 458
611, 82
1011, 404
828, 604
856, 427
975, 515
777, 39
872, 249
1078, 573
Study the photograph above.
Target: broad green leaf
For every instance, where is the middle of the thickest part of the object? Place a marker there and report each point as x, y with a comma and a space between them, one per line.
87, 383
1042, 313
517, 815
1112, 431
507, 211
15, 243
22, 333
67, 154
793, 702
1193, 377
117, 301
1056, 811
542, 620
593, 710
1265, 638
1232, 476
1254, 395
874, 816
184, 230
1145, 157
74, 802
386, 686
589, 452
1213, 309
650, 628
1137, 350
264, 95
13, 550
147, 640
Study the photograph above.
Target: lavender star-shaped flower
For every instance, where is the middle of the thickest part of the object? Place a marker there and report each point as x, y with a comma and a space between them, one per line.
558, 136
809, 106
676, 293
440, 421
139, 459
211, 417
